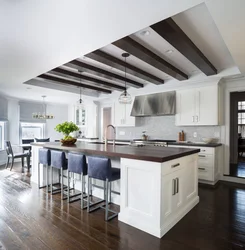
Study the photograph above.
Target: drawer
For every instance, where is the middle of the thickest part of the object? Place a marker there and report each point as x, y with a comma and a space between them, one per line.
174, 165
205, 160
205, 150
205, 173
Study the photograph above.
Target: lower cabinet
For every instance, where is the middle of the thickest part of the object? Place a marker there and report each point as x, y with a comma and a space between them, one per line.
209, 163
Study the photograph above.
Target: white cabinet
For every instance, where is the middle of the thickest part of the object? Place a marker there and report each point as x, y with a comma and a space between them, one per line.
198, 106
122, 115
209, 164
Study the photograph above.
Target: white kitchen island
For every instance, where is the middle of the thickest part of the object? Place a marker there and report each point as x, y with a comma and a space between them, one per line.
158, 186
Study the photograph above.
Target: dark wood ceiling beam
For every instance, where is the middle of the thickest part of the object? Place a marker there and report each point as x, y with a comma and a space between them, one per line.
102, 57
73, 83
172, 33
78, 76
75, 64
134, 48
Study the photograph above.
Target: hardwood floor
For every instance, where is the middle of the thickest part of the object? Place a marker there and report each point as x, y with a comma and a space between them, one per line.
31, 219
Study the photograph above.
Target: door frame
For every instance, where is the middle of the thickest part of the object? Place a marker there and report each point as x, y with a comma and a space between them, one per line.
102, 106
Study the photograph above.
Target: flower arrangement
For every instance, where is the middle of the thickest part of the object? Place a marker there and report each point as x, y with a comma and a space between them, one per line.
66, 128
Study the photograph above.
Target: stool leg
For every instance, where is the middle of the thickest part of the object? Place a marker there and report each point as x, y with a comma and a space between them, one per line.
106, 201
73, 181
38, 175
82, 181
62, 195
68, 186
110, 193
51, 184
47, 178
88, 200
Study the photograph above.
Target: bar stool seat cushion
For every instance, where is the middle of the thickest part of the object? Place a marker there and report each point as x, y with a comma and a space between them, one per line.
44, 156
77, 163
100, 168
58, 160
115, 174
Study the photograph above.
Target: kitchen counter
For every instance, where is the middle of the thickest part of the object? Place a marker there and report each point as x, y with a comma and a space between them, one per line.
146, 153
157, 188
212, 145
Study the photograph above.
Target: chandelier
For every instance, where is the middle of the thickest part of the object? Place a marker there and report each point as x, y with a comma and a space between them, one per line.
42, 115
125, 97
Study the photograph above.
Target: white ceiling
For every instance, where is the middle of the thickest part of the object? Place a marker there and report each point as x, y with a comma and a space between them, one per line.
36, 36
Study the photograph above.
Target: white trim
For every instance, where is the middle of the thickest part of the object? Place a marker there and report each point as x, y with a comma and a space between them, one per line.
238, 85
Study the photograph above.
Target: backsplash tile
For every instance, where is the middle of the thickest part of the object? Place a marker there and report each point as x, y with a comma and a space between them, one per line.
163, 127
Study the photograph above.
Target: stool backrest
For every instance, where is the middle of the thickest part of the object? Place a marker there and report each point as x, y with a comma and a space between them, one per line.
44, 156
58, 159
9, 149
77, 163
99, 168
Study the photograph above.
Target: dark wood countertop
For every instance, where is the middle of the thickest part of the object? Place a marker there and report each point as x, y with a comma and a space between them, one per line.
146, 153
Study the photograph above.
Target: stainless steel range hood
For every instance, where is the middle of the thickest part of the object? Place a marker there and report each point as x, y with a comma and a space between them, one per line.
154, 104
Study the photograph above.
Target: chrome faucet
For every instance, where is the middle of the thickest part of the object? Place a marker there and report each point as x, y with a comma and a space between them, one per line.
106, 139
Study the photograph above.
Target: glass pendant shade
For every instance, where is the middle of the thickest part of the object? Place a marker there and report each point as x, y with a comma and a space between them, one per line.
125, 98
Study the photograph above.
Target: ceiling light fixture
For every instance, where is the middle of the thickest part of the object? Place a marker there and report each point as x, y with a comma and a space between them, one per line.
80, 101
125, 97
145, 33
43, 115
169, 51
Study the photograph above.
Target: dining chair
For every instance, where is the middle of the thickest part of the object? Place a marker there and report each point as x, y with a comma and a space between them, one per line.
28, 148
11, 155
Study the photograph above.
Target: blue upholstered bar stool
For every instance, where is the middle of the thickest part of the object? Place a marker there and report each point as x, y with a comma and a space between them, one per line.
45, 160
58, 161
76, 165
100, 168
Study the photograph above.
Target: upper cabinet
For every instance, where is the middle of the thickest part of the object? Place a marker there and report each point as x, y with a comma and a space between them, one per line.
198, 106
122, 115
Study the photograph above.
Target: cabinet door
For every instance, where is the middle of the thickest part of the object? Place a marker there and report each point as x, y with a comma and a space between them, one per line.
206, 112
185, 107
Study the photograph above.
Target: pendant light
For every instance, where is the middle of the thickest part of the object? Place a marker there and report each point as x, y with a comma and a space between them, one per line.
80, 101
43, 115
125, 97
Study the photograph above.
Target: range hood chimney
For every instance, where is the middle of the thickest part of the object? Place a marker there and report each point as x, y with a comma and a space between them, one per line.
155, 104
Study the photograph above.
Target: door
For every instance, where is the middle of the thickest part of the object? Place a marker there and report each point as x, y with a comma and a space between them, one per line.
107, 119
206, 106
185, 107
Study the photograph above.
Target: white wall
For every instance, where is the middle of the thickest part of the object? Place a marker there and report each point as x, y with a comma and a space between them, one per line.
60, 113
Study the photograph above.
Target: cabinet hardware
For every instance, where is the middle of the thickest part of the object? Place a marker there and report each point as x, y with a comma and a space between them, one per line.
193, 118
177, 185
173, 187
175, 165
197, 118
201, 155
202, 168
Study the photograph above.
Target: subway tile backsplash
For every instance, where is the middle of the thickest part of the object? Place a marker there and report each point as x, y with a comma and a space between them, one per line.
163, 127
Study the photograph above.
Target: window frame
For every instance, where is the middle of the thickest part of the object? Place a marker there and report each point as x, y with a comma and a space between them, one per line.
32, 125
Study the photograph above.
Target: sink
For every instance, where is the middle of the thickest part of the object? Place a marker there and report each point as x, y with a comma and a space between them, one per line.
109, 143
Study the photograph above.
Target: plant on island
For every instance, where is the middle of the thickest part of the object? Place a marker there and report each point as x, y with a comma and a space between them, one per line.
66, 128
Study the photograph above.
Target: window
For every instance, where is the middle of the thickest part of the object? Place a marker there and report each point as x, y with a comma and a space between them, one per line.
2, 135
31, 130
241, 113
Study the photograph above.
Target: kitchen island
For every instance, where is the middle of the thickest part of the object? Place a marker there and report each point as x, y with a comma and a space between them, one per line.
158, 186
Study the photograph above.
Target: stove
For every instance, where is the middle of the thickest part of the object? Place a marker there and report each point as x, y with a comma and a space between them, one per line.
156, 143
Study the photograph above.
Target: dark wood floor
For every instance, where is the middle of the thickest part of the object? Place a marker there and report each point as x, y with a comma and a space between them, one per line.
31, 219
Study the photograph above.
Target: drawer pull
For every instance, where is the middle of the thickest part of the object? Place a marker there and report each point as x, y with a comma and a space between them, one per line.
202, 168
202, 156
175, 165
177, 185
173, 187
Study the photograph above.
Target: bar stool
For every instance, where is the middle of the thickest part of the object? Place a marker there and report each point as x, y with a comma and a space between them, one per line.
45, 160
100, 168
76, 165
58, 161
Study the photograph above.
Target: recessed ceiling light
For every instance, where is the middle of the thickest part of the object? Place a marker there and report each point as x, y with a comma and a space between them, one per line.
169, 51
28, 88
194, 71
145, 33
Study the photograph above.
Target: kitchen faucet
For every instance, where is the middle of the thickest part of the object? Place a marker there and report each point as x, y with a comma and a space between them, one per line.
106, 139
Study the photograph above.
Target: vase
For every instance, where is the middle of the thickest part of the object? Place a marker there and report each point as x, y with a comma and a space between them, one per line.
68, 142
